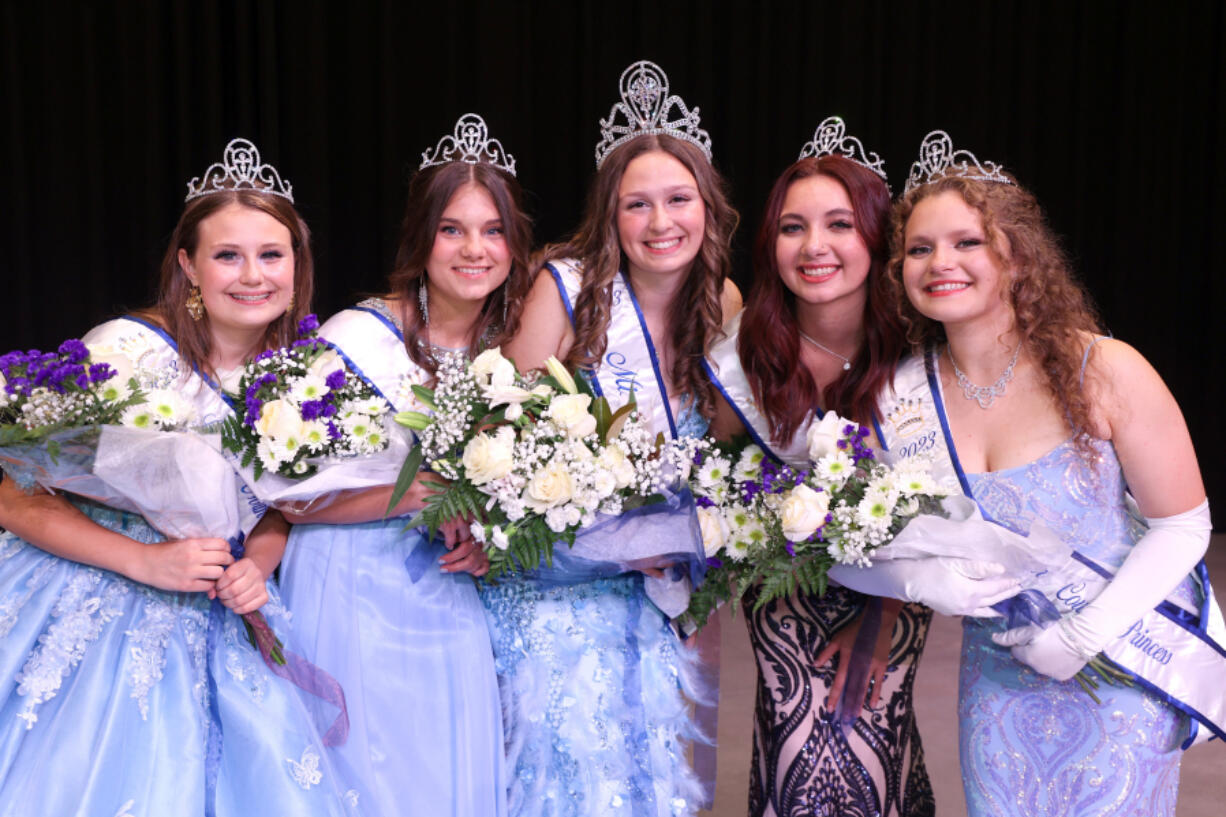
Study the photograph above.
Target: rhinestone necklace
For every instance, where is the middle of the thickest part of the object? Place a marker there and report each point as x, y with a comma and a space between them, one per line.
985, 396
829, 351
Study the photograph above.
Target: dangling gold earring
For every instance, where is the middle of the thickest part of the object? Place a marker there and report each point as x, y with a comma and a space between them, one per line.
194, 303
289, 307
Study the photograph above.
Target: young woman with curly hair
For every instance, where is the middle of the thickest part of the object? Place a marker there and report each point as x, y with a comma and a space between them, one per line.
388, 609
591, 672
819, 333
1068, 424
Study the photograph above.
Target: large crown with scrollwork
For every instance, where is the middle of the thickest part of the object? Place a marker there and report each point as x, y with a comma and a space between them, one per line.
648, 108
938, 160
469, 143
831, 139
240, 168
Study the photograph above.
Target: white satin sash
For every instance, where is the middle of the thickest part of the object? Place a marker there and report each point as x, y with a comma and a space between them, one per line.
629, 364
373, 348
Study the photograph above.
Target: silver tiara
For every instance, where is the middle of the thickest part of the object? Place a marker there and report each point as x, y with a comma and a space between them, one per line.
471, 144
938, 159
645, 109
240, 168
831, 139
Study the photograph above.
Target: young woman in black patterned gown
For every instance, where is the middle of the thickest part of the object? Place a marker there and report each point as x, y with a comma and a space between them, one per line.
819, 334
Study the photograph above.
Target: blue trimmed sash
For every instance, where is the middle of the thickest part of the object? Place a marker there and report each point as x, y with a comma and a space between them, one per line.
373, 348
1174, 651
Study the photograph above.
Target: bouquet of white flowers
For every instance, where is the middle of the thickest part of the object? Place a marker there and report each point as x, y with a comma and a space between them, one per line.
302, 407
764, 523
531, 461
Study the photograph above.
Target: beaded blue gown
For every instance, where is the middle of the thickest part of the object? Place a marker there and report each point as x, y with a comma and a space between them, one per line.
122, 700
407, 642
592, 678
1034, 747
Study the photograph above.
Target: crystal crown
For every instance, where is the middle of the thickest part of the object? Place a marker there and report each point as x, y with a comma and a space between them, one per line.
831, 139
645, 109
938, 159
469, 143
240, 169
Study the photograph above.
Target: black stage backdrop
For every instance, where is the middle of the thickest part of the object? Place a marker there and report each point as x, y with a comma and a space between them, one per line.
1113, 113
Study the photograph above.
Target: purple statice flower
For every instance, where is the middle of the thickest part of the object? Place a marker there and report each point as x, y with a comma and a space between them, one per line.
308, 325
713, 562
82, 381
703, 502
266, 354
329, 410
18, 385
98, 372
312, 409
863, 432
74, 350
334, 432
849, 429
791, 549
841, 444
303, 343
336, 379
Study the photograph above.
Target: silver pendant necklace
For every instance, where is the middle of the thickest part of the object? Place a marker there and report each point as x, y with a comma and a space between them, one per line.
827, 350
985, 396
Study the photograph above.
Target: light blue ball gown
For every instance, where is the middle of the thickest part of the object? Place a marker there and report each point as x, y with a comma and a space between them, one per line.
406, 641
121, 700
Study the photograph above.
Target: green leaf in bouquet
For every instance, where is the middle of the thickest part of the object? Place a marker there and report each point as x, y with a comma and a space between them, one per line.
408, 472
619, 418
604, 417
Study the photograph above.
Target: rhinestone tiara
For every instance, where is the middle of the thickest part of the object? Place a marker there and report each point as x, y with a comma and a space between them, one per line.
240, 169
469, 143
938, 159
645, 108
831, 139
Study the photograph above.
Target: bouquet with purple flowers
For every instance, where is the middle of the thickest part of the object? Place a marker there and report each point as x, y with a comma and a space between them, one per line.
765, 523
310, 427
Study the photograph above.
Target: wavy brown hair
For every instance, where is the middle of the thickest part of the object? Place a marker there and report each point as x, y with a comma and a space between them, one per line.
194, 337
430, 192
696, 314
1051, 309
769, 339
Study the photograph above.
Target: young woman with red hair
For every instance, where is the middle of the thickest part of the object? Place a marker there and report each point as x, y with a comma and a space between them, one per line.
820, 333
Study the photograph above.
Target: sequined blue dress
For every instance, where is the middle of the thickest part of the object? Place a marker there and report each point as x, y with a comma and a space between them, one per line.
121, 700
1034, 747
591, 676
406, 641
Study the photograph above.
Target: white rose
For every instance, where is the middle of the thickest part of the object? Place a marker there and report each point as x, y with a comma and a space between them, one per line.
803, 512
549, 487
483, 365
488, 457
714, 530
325, 364
279, 420
569, 412
824, 436
613, 460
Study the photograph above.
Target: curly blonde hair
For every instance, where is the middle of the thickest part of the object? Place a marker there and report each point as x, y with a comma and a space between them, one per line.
1051, 309
696, 314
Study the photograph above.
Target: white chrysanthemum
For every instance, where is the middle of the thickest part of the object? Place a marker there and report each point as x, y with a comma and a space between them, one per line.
374, 406
875, 511
138, 417
307, 387
737, 549
912, 482
269, 457
357, 426
315, 435
749, 466
714, 470
738, 517
168, 408
111, 391
834, 468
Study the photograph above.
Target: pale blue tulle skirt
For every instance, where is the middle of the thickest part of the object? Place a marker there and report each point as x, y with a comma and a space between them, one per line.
119, 700
409, 645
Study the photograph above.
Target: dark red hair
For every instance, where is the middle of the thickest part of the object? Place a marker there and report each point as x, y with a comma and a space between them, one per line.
769, 341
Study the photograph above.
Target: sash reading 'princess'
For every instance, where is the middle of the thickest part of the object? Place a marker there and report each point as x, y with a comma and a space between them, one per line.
1175, 651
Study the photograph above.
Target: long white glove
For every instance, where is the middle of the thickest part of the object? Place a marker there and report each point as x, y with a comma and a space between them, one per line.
949, 585
1158, 562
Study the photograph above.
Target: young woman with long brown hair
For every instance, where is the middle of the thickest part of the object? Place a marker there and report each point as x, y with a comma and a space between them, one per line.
388, 610
590, 670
